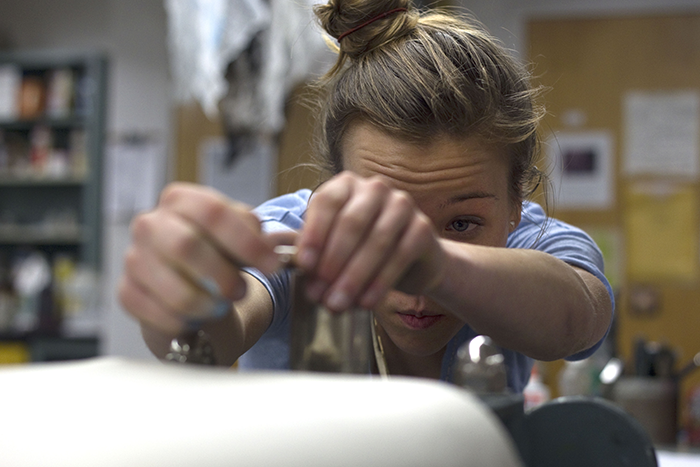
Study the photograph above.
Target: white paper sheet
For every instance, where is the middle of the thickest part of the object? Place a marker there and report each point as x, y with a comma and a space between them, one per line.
583, 170
661, 131
134, 175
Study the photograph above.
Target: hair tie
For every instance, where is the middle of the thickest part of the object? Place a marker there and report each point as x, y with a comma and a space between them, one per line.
367, 23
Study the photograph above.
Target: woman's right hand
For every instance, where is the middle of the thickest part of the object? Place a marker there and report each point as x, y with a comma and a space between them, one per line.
186, 257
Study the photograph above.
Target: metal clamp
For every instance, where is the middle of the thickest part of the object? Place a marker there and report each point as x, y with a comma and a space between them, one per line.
192, 347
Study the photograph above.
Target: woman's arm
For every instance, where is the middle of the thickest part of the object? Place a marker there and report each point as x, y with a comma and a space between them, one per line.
365, 238
230, 336
526, 300
186, 257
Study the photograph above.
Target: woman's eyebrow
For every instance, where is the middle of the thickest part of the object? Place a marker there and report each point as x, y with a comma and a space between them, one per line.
467, 196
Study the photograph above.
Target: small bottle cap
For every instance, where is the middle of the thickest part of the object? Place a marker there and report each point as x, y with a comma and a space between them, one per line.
287, 254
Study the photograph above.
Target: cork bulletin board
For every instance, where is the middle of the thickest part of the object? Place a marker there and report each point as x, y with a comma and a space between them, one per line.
635, 80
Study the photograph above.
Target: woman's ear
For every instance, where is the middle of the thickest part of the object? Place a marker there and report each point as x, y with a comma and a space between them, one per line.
515, 215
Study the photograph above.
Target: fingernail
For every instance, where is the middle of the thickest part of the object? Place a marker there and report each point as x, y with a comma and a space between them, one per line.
315, 290
270, 264
338, 301
221, 303
221, 308
371, 298
210, 285
307, 258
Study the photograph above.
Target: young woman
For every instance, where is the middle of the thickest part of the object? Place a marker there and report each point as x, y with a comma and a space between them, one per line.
429, 132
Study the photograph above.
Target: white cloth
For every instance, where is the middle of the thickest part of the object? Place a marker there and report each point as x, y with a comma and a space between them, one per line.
205, 36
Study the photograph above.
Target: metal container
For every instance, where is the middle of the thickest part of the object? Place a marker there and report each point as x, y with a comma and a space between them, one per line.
480, 367
653, 402
324, 341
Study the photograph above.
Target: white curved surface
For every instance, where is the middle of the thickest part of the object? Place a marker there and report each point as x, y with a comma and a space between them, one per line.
113, 412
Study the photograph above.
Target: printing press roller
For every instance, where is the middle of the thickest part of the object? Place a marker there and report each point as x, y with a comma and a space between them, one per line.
115, 412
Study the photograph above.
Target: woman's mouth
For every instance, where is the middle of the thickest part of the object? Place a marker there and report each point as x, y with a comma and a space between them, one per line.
419, 322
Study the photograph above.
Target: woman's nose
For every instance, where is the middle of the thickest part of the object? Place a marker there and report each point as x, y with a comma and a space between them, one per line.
419, 302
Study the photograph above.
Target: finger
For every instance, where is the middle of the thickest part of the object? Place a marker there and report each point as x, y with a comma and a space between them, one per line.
354, 228
172, 289
376, 250
182, 247
146, 309
412, 263
231, 226
323, 208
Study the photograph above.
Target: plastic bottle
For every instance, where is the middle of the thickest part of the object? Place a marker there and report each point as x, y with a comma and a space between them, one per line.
575, 379
535, 392
692, 418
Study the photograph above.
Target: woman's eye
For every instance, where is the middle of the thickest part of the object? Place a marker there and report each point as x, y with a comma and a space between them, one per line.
462, 225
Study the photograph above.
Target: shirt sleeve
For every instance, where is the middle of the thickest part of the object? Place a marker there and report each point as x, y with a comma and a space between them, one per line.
279, 214
566, 242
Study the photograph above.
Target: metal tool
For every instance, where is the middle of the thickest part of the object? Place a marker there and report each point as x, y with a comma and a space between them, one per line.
194, 344
324, 341
320, 340
480, 367
192, 347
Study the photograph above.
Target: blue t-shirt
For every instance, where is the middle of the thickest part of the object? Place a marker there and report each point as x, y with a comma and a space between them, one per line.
535, 231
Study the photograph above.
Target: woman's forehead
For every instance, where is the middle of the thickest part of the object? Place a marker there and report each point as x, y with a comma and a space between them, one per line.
366, 149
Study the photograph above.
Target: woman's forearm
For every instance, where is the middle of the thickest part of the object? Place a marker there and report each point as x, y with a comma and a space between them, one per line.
225, 335
525, 300
231, 335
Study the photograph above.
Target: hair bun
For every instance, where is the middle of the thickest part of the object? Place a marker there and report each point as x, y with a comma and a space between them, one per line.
363, 25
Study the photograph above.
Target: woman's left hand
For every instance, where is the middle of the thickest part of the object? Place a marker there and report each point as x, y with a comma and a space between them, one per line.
361, 238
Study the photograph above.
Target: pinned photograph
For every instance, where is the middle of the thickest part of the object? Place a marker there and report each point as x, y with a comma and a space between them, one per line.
582, 170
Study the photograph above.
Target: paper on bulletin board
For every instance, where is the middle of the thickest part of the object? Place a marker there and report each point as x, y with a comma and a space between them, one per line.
662, 133
135, 167
661, 230
583, 170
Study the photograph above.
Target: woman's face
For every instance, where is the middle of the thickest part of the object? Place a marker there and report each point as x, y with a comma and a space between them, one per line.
462, 186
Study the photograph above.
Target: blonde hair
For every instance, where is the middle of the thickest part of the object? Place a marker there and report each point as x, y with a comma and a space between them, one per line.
421, 76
